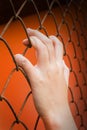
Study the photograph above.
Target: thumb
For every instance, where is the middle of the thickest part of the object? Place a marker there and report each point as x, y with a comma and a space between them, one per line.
25, 64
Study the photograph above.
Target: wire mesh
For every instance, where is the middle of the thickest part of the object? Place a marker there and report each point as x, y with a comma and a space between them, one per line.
71, 30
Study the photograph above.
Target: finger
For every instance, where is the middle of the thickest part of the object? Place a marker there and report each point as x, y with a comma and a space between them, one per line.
25, 64
45, 40
41, 50
58, 48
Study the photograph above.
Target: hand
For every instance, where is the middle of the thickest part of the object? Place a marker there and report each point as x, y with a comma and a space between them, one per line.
48, 79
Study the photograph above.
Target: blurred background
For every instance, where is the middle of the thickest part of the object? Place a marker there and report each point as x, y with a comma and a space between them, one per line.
67, 20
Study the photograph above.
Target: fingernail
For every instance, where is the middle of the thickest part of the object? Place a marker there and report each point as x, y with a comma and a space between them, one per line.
18, 57
25, 40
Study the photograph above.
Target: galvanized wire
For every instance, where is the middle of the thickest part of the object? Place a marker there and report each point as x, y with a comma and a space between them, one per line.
75, 12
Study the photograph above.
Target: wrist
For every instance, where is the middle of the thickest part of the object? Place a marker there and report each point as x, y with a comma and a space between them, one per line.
60, 120
51, 123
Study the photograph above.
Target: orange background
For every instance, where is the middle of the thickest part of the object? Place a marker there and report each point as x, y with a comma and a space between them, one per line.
18, 87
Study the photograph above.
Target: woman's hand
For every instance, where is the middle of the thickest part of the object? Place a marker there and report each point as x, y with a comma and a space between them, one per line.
49, 81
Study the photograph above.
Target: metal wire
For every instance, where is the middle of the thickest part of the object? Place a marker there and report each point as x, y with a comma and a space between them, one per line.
74, 10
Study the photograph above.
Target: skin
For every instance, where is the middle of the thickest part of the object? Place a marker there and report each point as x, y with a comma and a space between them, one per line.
49, 81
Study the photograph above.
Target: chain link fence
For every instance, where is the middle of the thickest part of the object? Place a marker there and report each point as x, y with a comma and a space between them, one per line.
69, 23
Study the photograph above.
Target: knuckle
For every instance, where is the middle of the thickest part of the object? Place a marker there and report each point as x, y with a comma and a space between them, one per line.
68, 70
60, 67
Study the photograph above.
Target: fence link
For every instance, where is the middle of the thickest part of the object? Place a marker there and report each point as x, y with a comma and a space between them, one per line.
69, 22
